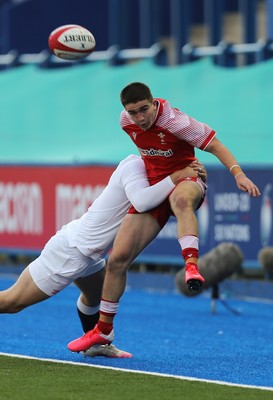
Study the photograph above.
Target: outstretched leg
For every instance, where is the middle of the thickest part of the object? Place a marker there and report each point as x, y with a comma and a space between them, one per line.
22, 294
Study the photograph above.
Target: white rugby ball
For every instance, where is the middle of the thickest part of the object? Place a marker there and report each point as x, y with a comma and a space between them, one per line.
71, 42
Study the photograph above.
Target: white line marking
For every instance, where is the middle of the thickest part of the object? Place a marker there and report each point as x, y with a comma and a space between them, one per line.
186, 378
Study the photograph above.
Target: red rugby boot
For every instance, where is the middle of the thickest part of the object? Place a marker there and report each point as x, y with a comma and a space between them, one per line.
91, 338
193, 278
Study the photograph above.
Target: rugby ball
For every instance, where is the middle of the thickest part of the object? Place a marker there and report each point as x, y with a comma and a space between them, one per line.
71, 42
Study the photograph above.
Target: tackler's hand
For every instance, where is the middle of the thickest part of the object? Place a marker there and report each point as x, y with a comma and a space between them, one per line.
200, 169
195, 169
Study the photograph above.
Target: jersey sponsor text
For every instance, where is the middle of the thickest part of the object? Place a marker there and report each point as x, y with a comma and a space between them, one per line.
154, 152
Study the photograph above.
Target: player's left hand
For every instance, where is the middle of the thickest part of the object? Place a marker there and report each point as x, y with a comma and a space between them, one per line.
245, 184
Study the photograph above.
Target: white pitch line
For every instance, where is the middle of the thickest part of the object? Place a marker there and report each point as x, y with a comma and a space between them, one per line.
186, 378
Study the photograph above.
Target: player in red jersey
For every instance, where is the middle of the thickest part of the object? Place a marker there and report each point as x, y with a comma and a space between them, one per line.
166, 138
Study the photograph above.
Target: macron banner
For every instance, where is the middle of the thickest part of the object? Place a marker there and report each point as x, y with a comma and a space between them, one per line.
35, 201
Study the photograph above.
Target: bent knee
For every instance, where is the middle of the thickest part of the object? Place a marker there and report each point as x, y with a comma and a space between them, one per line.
181, 202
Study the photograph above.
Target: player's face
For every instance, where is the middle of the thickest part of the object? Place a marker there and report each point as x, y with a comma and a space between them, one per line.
143, 113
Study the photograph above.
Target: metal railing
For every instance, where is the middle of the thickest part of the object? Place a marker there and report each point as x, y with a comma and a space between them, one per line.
45, 59
224, 54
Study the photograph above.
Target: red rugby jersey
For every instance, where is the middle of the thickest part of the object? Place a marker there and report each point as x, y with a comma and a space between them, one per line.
169, 144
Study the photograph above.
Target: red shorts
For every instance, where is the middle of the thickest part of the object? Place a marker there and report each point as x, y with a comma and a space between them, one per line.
163, 212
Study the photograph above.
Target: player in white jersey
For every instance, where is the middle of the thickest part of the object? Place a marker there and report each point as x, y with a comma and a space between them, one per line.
76, 252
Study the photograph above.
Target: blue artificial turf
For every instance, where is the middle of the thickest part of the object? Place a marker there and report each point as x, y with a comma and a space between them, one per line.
166, 332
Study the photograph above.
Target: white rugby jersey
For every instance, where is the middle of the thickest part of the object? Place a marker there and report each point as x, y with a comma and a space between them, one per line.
93, 233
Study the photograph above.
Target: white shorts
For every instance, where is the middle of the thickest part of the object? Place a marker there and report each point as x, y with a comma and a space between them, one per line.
59, 265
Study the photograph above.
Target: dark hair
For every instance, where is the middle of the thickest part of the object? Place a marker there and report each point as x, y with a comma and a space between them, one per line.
135, 92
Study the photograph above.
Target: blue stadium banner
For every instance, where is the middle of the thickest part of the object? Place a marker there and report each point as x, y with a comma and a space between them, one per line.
227, 215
